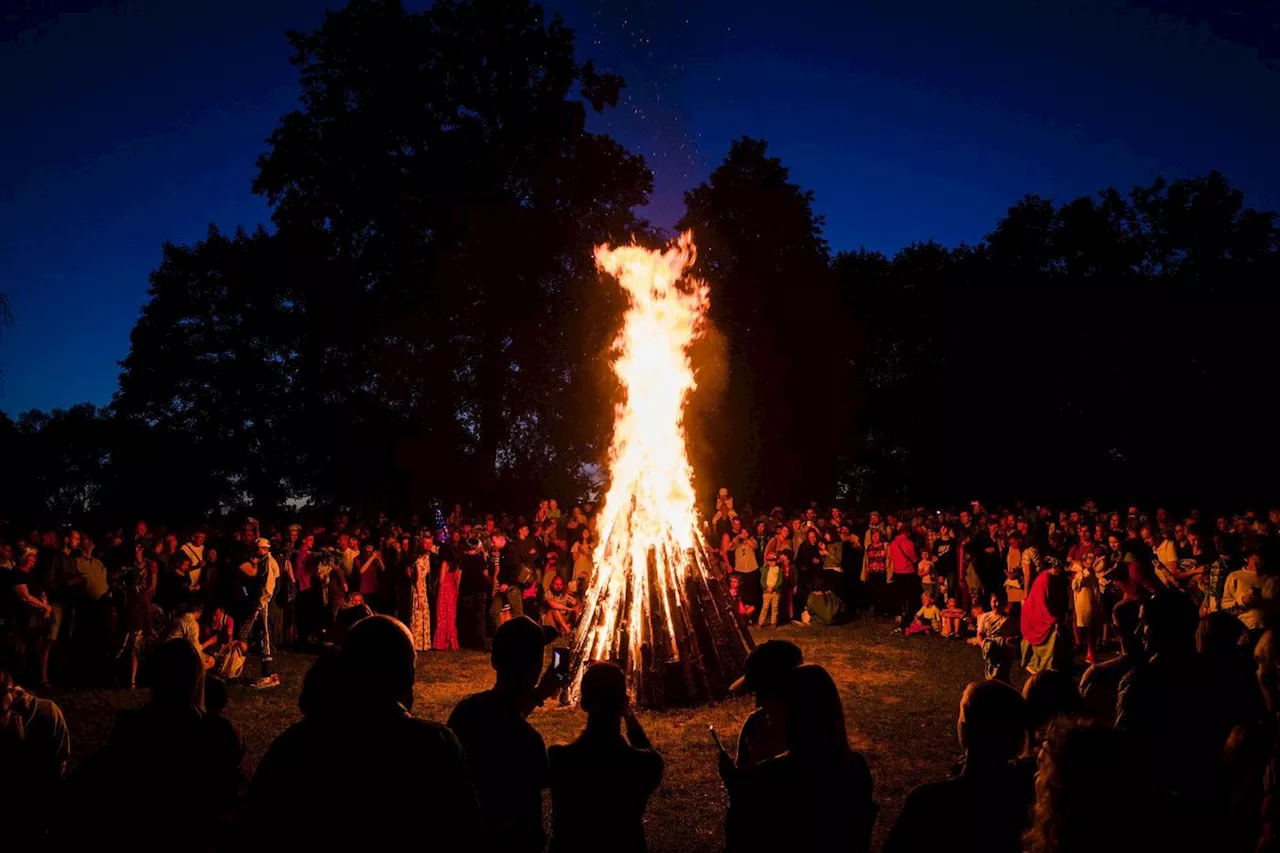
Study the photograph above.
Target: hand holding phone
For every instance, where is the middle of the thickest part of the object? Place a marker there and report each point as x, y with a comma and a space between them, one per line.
560, 664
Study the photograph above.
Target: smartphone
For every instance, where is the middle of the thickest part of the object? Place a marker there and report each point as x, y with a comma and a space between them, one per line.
715, 737
560, 663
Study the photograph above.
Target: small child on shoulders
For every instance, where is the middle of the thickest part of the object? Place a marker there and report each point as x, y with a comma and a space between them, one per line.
928, 617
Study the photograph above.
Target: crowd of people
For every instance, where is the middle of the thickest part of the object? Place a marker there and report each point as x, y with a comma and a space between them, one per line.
1152, 689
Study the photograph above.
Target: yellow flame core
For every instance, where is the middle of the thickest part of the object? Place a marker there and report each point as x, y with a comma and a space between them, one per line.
649, 510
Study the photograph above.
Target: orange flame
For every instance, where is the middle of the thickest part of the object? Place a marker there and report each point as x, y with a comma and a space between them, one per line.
648, 513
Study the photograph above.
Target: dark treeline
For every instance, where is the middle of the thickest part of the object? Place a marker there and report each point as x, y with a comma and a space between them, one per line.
424, 320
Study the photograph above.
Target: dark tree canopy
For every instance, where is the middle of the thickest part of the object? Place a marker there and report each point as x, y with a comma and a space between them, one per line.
770, 417
1113, 346
425, 321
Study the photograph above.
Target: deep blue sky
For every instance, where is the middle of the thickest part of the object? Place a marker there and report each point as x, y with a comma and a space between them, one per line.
909, 119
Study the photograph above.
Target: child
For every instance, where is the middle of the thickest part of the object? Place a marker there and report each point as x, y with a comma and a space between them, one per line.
927, 617
996, 633
951, 618
925, 569
746, 611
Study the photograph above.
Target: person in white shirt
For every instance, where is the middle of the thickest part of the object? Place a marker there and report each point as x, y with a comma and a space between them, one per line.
1166, 554
1247, 593
195, 550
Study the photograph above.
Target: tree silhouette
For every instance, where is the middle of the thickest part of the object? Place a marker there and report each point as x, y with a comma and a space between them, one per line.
768, 427
427, 311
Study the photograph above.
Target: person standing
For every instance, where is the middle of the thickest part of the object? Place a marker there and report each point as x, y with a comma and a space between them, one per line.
256, 585
601, 782
745, 567
473, 594
419, 608
507, 756
446, 603
904, 561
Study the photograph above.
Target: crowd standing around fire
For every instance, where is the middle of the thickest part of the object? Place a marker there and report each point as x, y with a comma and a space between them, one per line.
1152, 681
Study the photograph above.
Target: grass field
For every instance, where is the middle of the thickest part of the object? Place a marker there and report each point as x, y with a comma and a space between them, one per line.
900, 696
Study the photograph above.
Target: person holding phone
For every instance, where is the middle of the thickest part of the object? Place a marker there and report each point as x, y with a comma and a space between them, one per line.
602, 781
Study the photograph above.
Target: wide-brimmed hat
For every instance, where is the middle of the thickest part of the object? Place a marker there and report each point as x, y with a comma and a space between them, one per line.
767, 666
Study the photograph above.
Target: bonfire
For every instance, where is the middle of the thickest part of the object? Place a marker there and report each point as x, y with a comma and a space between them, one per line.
656, 604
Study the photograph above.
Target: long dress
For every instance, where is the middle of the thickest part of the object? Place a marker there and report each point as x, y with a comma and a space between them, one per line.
447, 611
420, 609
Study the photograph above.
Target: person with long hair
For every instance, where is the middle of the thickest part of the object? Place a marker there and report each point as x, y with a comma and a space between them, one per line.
447, 606
814, 796
1074, 761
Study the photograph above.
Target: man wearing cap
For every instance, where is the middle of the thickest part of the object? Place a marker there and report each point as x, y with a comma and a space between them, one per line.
507, 756
256, 585
764, 734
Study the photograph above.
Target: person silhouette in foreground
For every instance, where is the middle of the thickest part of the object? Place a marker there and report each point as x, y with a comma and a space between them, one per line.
986, 807
34, 747
600, 783
404, 776
817, 794
764, 734
168, 755
508, 757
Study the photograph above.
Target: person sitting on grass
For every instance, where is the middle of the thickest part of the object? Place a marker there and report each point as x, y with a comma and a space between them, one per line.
928, 618
951, 617
562, 609
997, 635
600, 783
823, 607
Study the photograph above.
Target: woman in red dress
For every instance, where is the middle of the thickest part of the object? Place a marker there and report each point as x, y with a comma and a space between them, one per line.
447, 608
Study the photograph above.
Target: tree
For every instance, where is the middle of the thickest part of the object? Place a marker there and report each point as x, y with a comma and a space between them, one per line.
1100, 344
427, 310
769, 422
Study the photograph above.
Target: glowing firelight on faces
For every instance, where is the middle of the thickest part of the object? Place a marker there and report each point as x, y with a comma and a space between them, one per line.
650, 504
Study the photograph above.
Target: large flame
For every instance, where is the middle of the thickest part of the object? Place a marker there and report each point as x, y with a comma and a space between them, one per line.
648, 524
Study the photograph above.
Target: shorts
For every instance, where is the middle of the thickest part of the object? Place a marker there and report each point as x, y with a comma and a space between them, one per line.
53, 625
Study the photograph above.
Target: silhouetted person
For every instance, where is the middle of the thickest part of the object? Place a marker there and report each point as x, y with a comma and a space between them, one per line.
167, 755
395, 775
507, 756
1100, 683
1075, 765
600, 783
985, 808
1049, 694
764, 734
1165, 704
815, 796
34, 746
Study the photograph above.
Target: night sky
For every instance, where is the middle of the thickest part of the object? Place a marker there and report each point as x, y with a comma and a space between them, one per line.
909, 120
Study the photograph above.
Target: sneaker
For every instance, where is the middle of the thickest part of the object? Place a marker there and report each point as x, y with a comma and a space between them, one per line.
266, 681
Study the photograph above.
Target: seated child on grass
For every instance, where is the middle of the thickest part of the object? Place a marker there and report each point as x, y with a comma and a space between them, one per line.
928, 617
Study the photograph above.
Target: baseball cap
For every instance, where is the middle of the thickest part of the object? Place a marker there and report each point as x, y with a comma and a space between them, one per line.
520, 641
767, 665
264, 543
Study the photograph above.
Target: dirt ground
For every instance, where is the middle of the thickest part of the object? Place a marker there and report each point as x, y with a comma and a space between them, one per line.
900, 697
